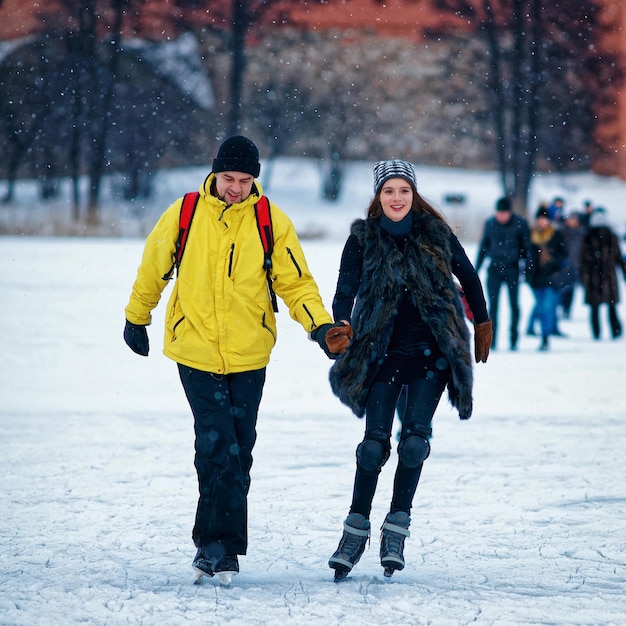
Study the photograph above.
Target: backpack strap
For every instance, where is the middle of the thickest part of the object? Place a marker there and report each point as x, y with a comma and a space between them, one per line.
187, 211
264, 224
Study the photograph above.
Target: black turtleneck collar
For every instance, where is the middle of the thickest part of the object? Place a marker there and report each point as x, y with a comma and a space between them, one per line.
397, 229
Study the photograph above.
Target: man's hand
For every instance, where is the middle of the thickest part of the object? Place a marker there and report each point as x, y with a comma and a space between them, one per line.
334, 339
136, 338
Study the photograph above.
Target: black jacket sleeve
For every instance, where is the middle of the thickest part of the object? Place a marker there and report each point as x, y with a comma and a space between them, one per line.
484, 245
349, 279
463, 269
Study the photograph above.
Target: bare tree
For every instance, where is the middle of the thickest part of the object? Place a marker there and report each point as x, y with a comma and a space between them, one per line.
313, 94
538, 53
91, 72
242, 16
107, 73
21, 90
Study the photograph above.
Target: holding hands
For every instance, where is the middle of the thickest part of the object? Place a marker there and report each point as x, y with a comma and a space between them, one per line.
334, 339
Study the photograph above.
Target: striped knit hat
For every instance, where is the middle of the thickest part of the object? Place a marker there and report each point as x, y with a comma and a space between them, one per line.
384, 170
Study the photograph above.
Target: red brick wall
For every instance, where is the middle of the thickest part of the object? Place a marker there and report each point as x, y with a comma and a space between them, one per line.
393, 18
612, 135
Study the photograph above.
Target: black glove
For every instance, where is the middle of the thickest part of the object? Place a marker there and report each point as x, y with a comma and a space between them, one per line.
136, 338
334, 339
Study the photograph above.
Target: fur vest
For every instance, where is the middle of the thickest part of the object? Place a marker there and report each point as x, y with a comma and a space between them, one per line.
423, 268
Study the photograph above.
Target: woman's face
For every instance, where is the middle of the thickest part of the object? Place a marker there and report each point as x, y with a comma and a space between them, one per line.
542, 223
396, 197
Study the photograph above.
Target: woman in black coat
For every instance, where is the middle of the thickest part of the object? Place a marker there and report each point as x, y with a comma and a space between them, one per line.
600, 254
396, 289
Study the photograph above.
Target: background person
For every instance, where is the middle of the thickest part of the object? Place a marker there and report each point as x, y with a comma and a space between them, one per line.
548, 251
505, 241
600, 255
573, 233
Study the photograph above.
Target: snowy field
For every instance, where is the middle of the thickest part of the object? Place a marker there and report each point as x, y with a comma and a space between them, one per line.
519, 517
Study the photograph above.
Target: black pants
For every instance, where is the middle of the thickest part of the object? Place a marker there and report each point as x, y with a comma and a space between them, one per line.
614, 321
225, 411
495, 278
422, 397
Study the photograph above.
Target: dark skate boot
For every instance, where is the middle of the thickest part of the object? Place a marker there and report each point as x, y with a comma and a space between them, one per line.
226, 568
356, 533
394, 532
202, 564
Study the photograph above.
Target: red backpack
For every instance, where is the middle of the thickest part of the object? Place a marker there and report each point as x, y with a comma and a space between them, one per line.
263, 222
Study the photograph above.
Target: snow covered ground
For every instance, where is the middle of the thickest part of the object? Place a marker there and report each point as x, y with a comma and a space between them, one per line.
519, 517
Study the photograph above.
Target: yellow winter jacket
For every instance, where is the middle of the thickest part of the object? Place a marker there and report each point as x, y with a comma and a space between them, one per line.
219, 316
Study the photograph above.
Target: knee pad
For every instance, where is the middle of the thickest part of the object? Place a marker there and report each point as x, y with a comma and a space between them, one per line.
371, 455
413, 451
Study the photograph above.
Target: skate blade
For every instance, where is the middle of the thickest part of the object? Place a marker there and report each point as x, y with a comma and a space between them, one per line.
389, 573
199, 574
225, 578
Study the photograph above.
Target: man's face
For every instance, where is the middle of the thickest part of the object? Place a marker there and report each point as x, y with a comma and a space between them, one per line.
503, 216
233, 187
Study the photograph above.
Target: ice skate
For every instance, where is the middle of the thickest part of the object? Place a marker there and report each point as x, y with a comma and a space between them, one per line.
202, 565
356, 533
226, 568
394, 532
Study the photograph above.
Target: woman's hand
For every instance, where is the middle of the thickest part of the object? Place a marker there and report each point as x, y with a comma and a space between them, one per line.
483, 335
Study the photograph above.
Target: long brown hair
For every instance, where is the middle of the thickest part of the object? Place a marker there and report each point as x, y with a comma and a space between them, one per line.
419, 205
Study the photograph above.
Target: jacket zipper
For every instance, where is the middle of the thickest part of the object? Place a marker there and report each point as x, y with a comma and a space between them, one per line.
293, 260
230, 260
304, 306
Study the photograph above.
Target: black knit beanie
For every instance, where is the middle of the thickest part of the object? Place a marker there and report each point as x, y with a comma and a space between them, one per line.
503, 204
237, 154
542, 212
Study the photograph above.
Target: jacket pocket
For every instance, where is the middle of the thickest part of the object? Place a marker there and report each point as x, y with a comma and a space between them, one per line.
175, 326
267, 327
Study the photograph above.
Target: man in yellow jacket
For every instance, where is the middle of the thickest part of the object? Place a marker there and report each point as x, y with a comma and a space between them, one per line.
220, 329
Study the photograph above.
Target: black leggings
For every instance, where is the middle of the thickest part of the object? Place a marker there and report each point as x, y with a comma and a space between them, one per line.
422, 398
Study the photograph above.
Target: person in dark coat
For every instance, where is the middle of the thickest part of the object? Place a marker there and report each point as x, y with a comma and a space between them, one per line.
548, 253
573, 233
505, 241
587, 212
396, 289
600, 254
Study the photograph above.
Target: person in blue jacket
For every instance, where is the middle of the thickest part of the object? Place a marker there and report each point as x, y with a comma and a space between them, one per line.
505, 241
